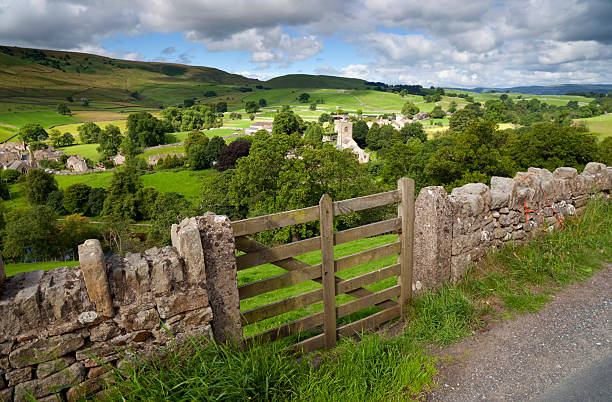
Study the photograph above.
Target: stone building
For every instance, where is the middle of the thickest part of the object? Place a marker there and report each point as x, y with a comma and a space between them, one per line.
77, 164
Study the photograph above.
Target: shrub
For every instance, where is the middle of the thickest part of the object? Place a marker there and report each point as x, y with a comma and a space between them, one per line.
76, 198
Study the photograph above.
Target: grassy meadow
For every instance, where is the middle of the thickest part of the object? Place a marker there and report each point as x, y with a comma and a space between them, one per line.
600, 125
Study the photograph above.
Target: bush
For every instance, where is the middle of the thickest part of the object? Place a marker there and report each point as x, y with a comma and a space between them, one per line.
56, 201
95, 203
38, 185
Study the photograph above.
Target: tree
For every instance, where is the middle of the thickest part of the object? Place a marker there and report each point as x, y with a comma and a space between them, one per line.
213, 149
262, 102
373, 137
304, 97
461, 120
251, 107
121, 201
128, 147
437, 112
147, 131
67, 139
169, 208
313, 106
95, 203
231, 153
409, 109
399, 160
32, 232
89, 132
413, 130
56, 137
360, 132
31, 132
195, 137
452, 107
76, 198
314, 133
221, 107
324, 118
285, 122
10, 175
56, 201
62, 108
38, 185
110, 140
210, 94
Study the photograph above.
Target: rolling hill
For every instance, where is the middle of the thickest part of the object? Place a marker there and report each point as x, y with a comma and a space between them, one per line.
315, 81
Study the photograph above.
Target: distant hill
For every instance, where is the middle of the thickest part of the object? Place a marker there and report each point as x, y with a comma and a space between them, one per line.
315, 81
547, 90
59, 74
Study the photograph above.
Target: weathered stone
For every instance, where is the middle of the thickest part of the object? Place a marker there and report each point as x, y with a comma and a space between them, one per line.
104, 331
96, 371
188, 242
495, 214
601, 179
547, 185
526, 191
499, 233
18, 376
88, 387
6, 395
19, 305
41, 350
167, 269
221, 276
147, 319
93, 266
46, 386
504, 210
433, 227
5, 347
518, 235
138, 272
2, 383
46, 369
473, 197
2, 273
88, 317
177, 303
461, 244
501, 191
142, 336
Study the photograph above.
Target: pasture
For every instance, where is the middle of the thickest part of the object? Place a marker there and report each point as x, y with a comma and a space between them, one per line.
600, 125
44, 118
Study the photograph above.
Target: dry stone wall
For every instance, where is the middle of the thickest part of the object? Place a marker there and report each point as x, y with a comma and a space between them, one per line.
453, 231
59, 330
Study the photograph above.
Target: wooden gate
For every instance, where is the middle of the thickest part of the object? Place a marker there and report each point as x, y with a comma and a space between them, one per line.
298, 271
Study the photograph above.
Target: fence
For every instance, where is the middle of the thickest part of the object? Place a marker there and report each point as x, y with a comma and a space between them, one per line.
283, 256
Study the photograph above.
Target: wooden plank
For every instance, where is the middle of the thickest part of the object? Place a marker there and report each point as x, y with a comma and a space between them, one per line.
363, 257
354, 328
364, 302
293, 327
370, 322
365, 279
310, 344
373, 229
279, 281
366, 202
283, 306
261, 223
327, 270
277, 253
249, 245
405, 258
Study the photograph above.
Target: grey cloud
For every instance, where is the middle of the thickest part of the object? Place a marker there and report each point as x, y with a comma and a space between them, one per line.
168, 50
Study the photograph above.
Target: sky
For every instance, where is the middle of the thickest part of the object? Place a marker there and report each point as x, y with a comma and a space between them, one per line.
450, 43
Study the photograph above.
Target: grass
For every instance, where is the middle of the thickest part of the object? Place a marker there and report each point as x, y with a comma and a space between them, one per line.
73, 128
600, 125
44, 118
12, 269
99, 179
85, 150
165, 150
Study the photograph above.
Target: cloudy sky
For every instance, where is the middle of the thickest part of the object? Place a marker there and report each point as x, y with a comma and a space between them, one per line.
434, 42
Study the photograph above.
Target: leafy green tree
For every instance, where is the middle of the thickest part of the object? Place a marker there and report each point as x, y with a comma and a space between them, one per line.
221, 107
56, 201
128, 147
452, 107
64, 109
10, 175
304, 97
195, 150
495, 111
324, 118
95, 203
38, 185
314, 133
32, 232
373, 137
461, 120
169, 208
437, 112
147, 131
214, 148
262, 102
413, 130
67, 139
110, 140
89, 132
56, 137
121, 201
313, 106
360, 133
399, 160
409, 109
286, 122
31, 132
251, 107
76, 197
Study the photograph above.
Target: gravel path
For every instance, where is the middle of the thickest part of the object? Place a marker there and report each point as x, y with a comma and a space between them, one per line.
537, 356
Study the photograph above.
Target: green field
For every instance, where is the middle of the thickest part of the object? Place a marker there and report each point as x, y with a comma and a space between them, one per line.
174, 149
44, 118
85, 150
600, 125
12, 269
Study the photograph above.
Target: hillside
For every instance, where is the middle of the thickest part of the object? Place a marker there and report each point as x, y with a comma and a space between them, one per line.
58, 75
315, 81
547, 90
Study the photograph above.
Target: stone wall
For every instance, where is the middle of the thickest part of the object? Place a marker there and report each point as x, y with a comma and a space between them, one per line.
59, 329
453, 231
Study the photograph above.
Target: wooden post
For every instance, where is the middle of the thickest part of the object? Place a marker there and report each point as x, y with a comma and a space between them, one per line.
406, 212
327, 270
